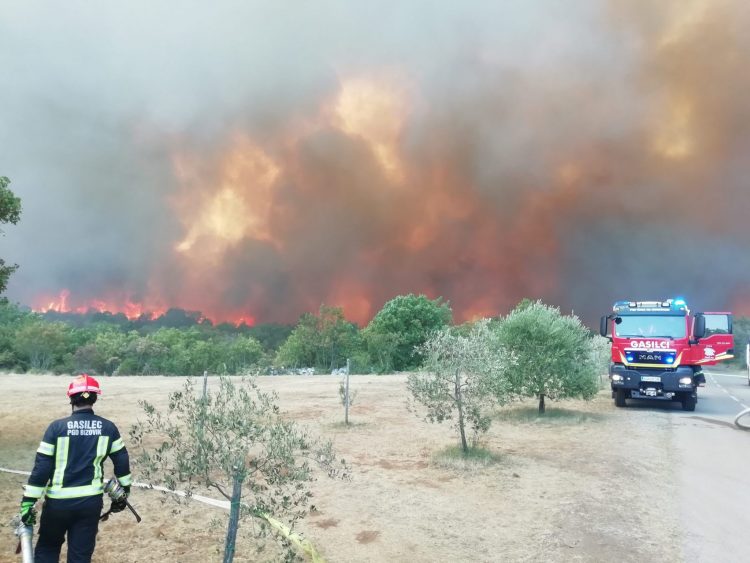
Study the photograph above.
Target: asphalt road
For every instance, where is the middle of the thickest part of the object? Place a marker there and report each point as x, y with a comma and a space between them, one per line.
713, 462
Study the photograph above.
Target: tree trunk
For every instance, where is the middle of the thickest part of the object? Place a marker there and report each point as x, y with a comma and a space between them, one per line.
234, 518
460, 405
541, 403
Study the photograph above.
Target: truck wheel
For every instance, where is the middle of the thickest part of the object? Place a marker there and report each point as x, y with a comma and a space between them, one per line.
688, 402
620, 398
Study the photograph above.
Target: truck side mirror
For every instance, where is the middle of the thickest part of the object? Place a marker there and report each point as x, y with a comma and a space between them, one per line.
699, 327
604, 326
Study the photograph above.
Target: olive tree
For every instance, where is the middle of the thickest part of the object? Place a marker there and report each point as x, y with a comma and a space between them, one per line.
235, 441
552, 354
463, 379
346, 395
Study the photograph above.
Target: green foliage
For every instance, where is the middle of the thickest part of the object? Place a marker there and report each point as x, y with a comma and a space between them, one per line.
28, 342
173, 351
300, 349
10, 205
402, 326
552, 355
465, 378
178, 318
233, 440
43, 346
380, 350
182, 343
323, 341
601, 353
10, 212
270, 335
524, 304
103, 351
12, 318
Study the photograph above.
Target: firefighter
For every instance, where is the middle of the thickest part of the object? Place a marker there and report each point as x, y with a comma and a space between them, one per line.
69, 470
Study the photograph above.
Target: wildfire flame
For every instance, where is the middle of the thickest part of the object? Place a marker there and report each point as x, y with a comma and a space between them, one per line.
239, 208
62, 303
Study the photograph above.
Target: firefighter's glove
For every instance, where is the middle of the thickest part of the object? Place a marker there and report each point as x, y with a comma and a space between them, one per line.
28, 513
118, 505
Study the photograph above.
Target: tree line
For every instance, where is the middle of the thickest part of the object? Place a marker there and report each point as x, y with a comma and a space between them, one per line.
183, 343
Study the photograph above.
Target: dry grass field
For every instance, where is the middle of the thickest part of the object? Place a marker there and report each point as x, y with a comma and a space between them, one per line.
584, 483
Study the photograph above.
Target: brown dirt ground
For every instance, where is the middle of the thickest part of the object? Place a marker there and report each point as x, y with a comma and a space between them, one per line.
587, 483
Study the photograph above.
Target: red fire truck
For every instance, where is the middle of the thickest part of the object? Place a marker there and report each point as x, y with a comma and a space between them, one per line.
659, 349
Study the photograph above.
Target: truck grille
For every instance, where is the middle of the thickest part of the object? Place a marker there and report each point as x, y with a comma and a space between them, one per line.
656, 358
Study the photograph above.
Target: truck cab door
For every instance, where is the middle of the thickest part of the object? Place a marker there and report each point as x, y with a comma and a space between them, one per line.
718, 342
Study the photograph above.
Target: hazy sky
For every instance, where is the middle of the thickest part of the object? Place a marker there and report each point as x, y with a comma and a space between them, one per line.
254, 160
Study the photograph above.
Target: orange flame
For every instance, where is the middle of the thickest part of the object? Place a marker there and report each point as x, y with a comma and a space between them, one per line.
238, 208
62, 303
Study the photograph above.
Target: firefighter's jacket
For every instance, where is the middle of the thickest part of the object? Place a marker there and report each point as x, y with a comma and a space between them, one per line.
69, 462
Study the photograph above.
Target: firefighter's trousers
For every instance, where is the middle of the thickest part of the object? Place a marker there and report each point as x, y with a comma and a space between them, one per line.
80, 525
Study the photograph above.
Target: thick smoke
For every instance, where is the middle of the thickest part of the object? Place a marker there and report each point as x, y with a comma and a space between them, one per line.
254, 160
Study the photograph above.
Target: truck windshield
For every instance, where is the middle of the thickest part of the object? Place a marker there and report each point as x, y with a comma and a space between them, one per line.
651, 326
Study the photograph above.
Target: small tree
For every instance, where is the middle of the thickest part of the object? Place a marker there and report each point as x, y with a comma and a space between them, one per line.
236, 442
552, 354
346, 394
464, 378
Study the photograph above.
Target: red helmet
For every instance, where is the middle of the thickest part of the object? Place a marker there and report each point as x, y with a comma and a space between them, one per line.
84, 383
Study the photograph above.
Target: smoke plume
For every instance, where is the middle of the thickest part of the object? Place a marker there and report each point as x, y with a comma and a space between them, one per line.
253, 160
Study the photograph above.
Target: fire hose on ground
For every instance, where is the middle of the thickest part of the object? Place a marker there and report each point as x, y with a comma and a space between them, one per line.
25, 533
740, 425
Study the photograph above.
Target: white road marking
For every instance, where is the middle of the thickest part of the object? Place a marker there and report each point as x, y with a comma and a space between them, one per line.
726, 374
720, 386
